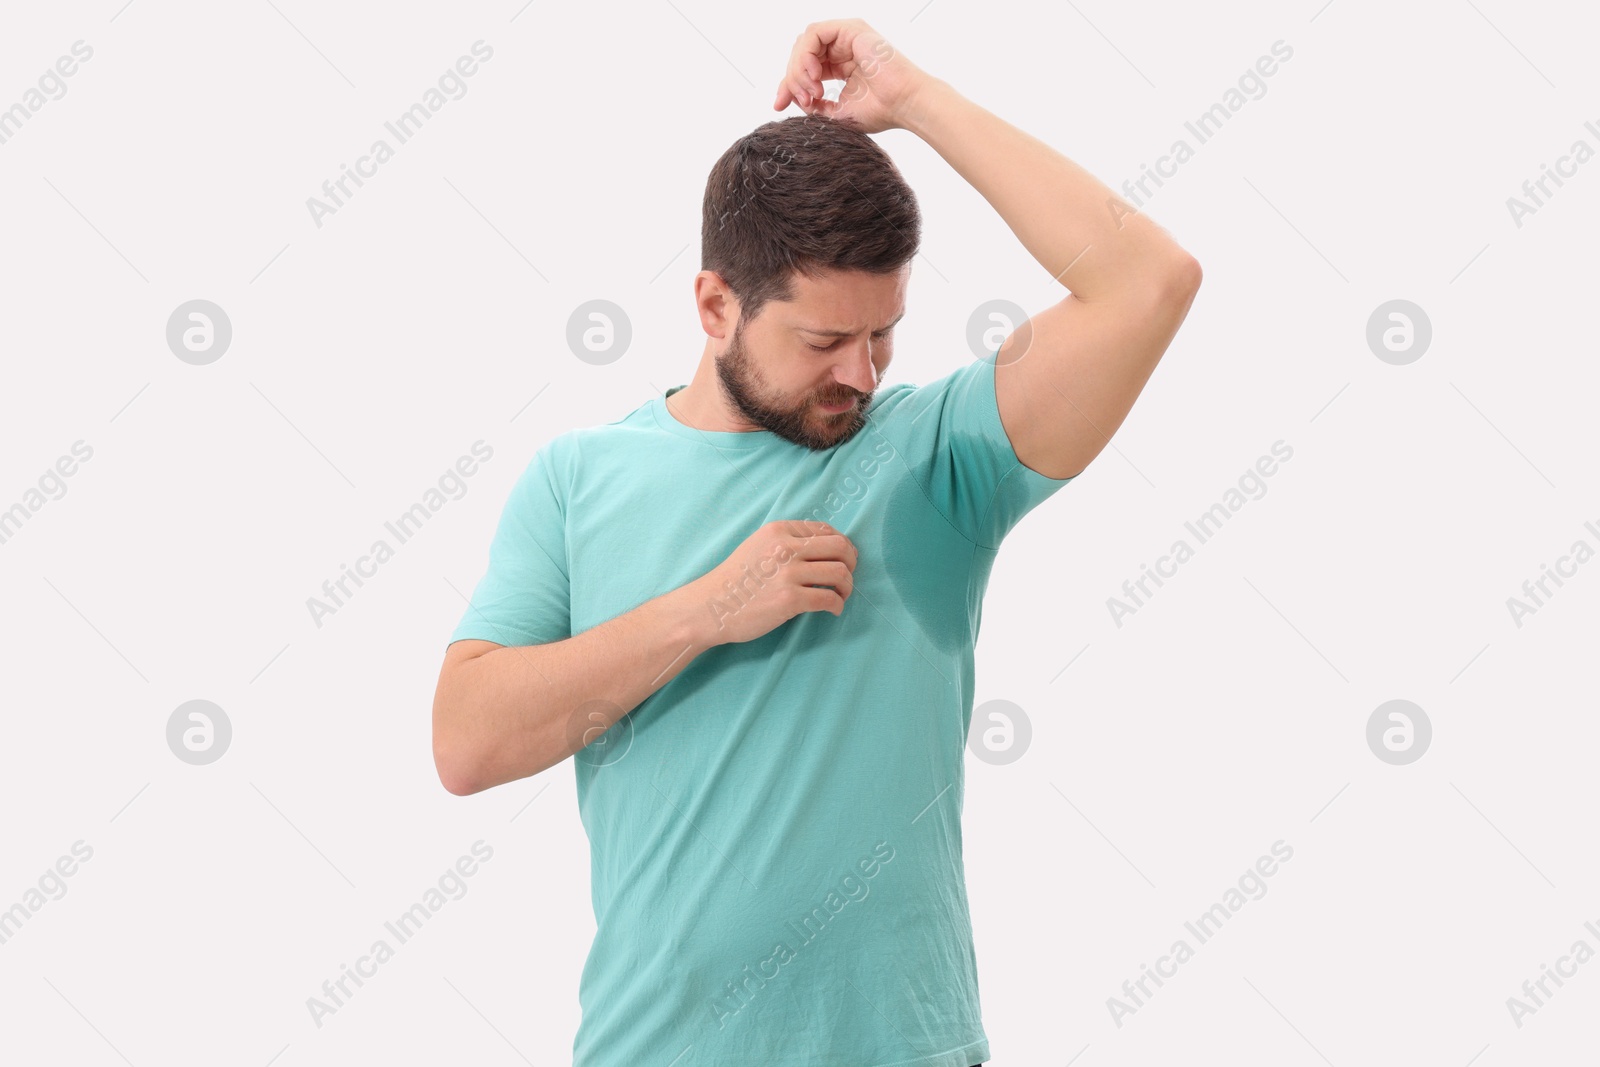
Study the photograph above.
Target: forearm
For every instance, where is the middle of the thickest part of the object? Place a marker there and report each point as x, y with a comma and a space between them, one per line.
515, 711
1061, 213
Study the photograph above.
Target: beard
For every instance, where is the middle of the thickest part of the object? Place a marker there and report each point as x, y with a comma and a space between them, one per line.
802, 424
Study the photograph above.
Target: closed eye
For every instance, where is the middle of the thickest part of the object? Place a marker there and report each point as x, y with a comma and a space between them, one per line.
829, 347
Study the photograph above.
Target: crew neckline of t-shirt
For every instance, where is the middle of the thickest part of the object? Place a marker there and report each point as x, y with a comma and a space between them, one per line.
719, 438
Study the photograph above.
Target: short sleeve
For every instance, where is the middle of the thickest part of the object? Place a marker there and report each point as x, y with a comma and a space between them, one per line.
951, 429
524, 596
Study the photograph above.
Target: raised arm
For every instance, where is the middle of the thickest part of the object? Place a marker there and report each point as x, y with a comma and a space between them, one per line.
1066, 379
1088, 356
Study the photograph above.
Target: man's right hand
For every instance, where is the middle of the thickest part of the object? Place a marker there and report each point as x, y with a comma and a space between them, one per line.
504, 713
784, 568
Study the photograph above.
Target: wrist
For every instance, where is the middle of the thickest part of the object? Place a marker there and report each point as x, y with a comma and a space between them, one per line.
691, 622
922, 108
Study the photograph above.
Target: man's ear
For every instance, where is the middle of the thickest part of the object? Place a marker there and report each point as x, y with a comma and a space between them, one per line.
716, 304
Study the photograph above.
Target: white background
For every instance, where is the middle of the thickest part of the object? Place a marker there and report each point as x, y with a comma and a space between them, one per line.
368, 354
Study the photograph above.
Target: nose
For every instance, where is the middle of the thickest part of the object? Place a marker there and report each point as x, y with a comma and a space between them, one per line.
857, 370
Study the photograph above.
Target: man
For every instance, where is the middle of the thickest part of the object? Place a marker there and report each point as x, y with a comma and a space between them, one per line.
749, 606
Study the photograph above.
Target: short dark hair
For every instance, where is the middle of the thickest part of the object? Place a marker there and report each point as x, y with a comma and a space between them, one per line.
810, 194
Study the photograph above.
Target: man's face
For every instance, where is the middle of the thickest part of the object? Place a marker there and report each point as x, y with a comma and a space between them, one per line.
828, 346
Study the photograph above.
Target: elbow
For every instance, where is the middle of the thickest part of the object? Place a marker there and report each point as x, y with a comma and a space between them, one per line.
457, 757
1182, 278
454, 757
457, 773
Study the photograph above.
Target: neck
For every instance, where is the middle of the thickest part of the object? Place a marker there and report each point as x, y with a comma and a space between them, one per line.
703, 405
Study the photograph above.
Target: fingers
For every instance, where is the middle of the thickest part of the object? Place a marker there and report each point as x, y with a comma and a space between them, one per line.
822, 51
829, 573
803, 88
804, 528
805, 61
797, 85
812, 539
818, 596
834, 546
822, 599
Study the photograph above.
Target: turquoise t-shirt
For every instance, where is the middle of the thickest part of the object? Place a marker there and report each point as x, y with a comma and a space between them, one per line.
775, 834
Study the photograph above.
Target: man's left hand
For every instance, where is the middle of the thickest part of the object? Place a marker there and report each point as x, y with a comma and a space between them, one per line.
880, 84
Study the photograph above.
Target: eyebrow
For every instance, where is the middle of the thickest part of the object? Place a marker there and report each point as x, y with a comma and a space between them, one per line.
847, 333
